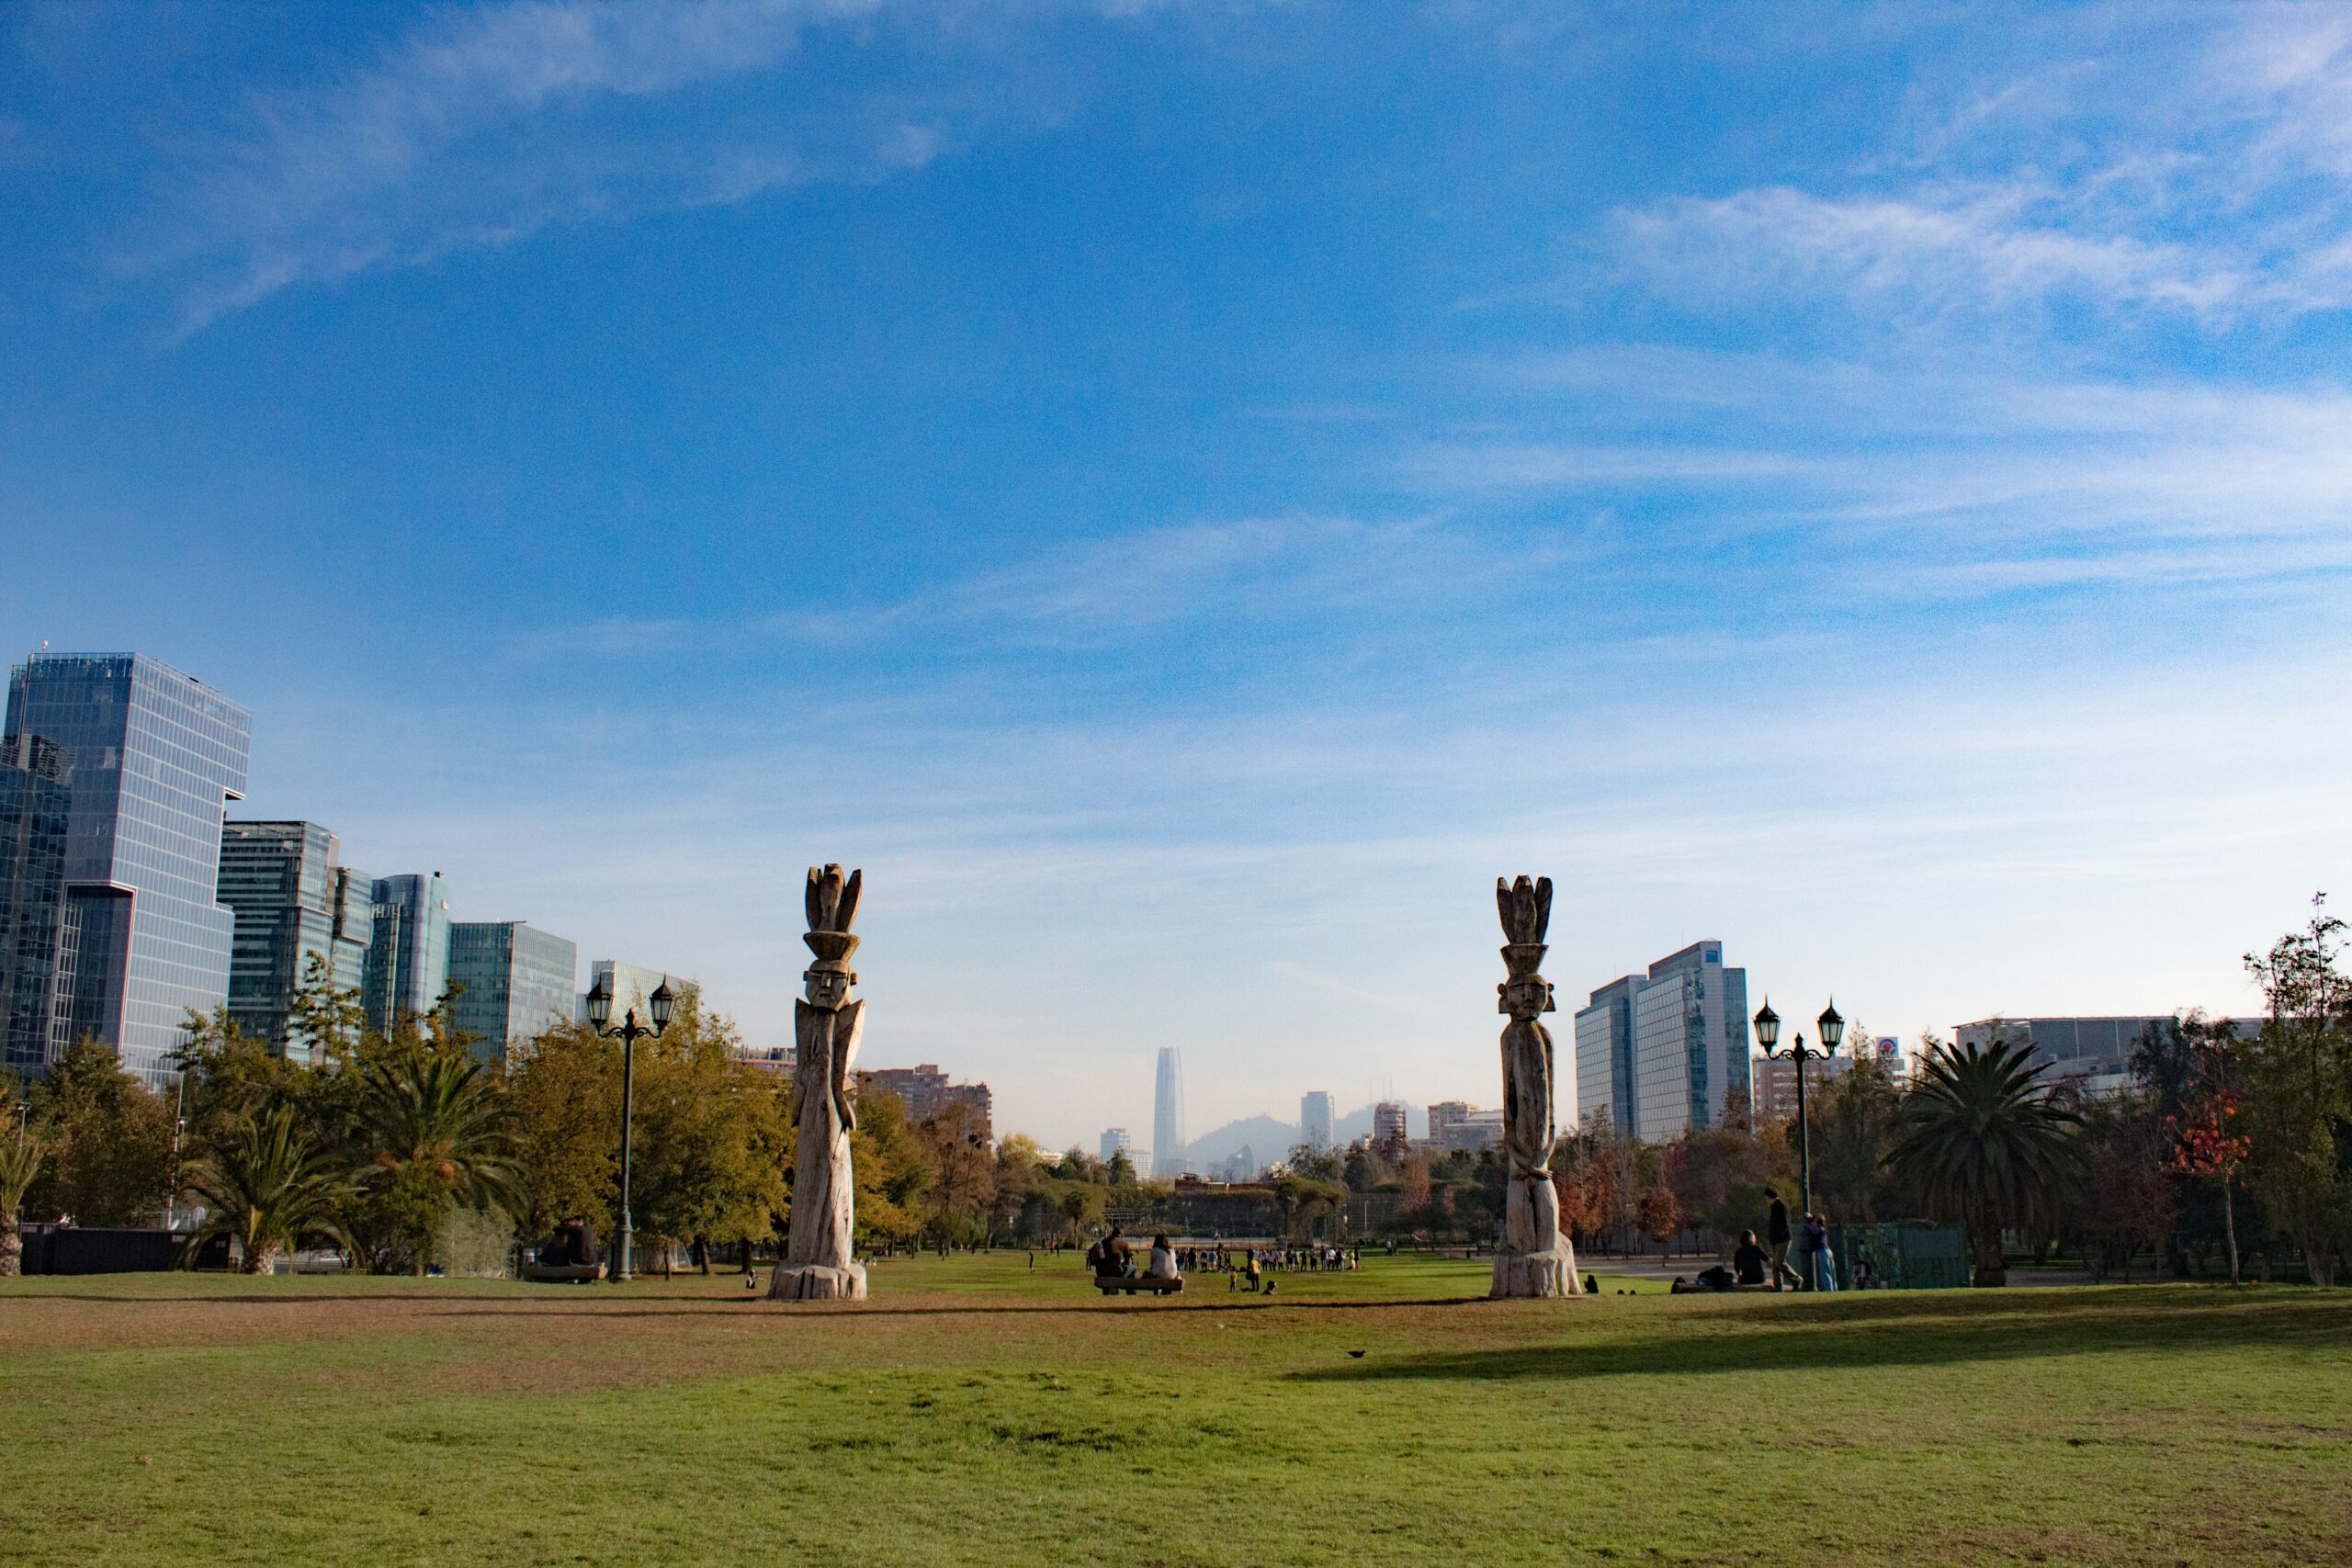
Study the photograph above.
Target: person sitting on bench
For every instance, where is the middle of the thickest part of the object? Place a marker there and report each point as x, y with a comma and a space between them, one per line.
1163, 1260
1118, 1256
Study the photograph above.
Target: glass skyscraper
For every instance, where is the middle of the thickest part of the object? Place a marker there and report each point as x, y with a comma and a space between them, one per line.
1604, 1046
408, 951
1168, 1115
151, 758
1667, 1052
517, 981
33, 804
292, 897
1315, 1119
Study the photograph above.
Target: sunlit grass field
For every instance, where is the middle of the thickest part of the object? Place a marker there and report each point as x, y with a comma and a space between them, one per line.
979, 1411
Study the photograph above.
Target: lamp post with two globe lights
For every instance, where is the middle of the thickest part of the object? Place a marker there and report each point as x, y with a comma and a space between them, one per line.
1767, 1035
628, 1032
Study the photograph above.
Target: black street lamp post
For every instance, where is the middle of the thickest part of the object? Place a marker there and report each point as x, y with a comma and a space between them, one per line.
629, 1033
1767, 1035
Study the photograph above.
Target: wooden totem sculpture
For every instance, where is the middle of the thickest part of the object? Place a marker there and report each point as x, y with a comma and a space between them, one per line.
1535, 1259
818, 1265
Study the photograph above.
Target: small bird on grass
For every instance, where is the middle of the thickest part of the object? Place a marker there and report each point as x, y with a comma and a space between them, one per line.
1355, 1355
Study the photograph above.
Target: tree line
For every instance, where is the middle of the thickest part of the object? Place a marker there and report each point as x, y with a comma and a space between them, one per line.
405, 1149
2222, 1146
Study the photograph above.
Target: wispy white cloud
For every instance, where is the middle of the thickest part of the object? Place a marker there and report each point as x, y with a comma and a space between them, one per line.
2180, 163
1117, 590
486, 124
1953, 482
1972, 252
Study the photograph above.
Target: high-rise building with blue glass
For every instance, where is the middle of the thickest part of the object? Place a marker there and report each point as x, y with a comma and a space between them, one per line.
33, 804
408, 951
293, 897
1666, 1053
1604, 1046
517, 981
150, 757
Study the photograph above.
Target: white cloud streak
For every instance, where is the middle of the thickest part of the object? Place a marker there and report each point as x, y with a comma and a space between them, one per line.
486, 124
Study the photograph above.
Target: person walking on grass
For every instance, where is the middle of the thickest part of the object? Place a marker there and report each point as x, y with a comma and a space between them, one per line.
1776, 1236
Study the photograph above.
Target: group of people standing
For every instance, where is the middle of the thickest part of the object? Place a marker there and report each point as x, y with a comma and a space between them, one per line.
1755, 1266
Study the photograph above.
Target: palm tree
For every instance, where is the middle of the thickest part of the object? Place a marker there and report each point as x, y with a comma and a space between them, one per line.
268, 1184
433, 1122
1978, 1134
19, 1163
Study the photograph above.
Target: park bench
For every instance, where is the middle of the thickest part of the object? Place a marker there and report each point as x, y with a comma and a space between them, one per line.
563, 1273
1110, 1284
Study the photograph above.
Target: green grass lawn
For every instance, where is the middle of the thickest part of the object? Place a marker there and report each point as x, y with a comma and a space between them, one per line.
975, 1412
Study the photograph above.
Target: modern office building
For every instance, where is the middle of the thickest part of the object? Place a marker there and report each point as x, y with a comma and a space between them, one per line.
925, 1092
292, 897
1116, 1142
1456, 1127
1389, 1136
632, 986
151, 758
517, 979
1315, 1120
1168, 1115
408, 952
2094, 1054
1776, 1081
354, 908
1604, 1048
1666, 1052
34, 805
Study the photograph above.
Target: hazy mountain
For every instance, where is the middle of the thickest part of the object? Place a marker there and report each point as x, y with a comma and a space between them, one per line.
1271, 1140
1268, 1139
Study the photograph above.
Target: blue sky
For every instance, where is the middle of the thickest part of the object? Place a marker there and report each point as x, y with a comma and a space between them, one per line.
1185, 495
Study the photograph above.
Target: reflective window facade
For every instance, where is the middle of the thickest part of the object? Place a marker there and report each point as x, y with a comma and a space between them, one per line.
33, 807
408, 951
517, 978
151, 758
1668, 1050
1604, 1046
292, 898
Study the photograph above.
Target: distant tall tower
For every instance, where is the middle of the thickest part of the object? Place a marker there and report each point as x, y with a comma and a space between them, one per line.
1315, 1120
1168, 1115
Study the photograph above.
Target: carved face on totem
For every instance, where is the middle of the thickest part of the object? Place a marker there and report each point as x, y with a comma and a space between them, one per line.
1526, 997
829, 986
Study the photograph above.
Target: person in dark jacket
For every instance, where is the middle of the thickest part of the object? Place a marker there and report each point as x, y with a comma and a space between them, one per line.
1776, 1234
1748, 1262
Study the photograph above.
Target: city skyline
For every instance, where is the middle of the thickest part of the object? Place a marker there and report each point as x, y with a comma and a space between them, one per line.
1228, 486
